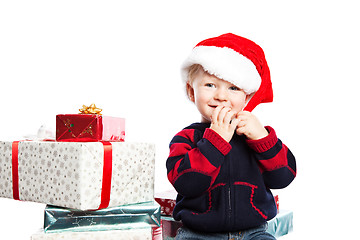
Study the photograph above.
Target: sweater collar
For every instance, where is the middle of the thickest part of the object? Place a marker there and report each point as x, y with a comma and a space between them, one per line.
199, 125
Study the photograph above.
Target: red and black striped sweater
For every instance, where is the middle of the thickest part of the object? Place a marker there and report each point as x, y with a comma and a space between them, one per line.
225, 187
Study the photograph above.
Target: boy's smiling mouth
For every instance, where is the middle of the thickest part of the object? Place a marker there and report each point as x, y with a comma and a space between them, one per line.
215, 106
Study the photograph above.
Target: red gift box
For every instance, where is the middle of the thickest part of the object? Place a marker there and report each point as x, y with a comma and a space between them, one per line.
167, 201
276, 197
89, 127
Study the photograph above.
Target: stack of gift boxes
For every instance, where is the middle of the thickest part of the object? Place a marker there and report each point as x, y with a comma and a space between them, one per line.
95, 184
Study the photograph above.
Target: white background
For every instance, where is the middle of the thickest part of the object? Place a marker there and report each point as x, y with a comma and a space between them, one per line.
124, 56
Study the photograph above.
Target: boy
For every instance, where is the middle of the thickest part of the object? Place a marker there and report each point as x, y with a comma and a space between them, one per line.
224, 167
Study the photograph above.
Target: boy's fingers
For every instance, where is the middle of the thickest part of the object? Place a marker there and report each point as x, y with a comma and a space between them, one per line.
215, 114
230, 115
239, 132
243, 114
234, 122
223, 113
243, 118
242, 122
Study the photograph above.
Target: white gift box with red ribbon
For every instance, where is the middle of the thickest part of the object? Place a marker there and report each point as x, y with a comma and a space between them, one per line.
79, 175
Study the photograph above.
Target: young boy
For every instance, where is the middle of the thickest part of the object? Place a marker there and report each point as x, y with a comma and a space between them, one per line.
224, 167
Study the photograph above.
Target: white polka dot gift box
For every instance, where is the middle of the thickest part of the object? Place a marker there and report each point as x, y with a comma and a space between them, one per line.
78, 175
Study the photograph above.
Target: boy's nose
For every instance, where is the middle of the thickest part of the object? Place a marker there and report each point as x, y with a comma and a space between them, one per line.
220, 95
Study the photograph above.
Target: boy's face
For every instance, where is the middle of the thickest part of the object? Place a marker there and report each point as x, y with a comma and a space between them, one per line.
208, 92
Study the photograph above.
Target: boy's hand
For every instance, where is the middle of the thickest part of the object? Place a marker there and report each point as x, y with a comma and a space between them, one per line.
223, 122
250, 126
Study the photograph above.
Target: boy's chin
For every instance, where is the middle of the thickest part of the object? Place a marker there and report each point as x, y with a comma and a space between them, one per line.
205, 120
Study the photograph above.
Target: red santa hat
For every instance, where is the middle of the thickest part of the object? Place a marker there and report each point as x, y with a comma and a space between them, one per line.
237, 60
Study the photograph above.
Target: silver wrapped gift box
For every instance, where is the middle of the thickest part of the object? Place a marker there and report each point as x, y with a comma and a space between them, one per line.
58, 219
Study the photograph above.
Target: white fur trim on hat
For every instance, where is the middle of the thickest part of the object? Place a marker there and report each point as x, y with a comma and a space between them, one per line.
224, 63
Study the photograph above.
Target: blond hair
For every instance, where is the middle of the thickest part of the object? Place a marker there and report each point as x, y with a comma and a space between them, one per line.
193, 71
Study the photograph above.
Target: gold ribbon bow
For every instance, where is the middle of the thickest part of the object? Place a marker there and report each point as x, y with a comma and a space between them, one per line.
92, 109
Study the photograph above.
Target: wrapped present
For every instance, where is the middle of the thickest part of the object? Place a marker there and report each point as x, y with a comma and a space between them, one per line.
78, 175
276, 197
128, 234
167, 201
169, 227
58, 219
282, 224
279, 226
89, 127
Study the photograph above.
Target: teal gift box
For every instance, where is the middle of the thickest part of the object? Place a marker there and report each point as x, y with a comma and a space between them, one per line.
58, 219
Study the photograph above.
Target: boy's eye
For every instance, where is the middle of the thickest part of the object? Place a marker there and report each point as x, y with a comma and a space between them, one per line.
209, 85
234, 88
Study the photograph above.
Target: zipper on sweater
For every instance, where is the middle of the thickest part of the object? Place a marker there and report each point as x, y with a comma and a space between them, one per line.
229, 203
229, 196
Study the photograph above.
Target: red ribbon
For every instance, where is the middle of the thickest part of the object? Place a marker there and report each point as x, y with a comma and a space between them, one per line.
107, 173
15, 171
106, 180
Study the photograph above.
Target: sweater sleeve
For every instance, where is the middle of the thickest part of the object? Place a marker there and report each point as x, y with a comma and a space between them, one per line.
275, 160
194, 161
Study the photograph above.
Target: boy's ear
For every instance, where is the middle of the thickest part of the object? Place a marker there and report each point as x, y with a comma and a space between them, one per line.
190, 92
